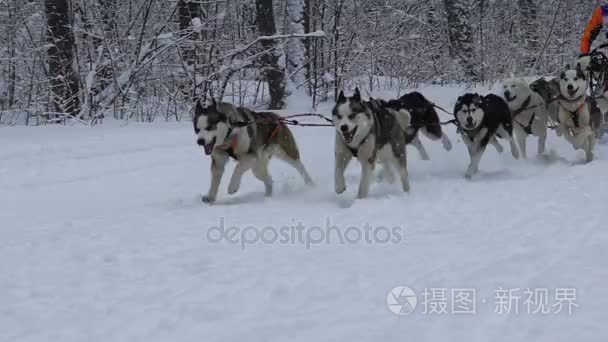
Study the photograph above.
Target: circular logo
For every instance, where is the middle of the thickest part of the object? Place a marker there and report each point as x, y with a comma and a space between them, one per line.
401, 300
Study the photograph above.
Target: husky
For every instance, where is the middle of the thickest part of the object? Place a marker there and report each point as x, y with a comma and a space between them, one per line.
576, 120
481, 120
251, 138
549, 91
424, 118
529, 113
370, 133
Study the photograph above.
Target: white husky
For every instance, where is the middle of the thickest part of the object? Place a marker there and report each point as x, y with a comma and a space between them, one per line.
529, 113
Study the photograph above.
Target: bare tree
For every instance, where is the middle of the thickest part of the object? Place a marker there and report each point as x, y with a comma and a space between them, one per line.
272, 71
65, 87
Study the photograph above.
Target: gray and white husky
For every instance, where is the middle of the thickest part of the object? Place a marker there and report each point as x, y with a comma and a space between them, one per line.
529, 113
369, 132
251, 138
576, 120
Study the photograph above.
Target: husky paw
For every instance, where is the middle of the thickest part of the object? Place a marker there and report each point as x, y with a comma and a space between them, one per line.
470, 173
447, 144
589, 157
268, 189
208, 199
233, 188
340, 189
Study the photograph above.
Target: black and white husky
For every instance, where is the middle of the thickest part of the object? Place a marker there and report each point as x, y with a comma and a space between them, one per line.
250, 138
369, 133
481, 119
424, 119
529, 112
576, 121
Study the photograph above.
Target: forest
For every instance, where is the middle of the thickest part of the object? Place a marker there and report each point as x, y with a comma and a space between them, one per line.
150, 59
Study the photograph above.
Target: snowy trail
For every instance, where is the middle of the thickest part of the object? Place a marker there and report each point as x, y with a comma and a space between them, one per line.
104, 238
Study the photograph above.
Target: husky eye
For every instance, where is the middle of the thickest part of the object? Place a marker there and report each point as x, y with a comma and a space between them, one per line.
575, 79
352, 116
210, 128
339, 116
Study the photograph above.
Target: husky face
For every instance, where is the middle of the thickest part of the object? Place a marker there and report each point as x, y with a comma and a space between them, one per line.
469, 112
352, 118
515, 91
211, 126
573, 83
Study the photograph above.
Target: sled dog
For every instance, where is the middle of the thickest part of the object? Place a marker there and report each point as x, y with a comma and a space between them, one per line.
251, 138
370, 133
424, 118
529, 113
481, 120
578, 117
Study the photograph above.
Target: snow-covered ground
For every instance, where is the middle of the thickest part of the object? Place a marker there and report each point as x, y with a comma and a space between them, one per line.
104, 238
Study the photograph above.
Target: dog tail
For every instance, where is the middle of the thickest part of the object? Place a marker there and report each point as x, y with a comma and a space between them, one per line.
403, 117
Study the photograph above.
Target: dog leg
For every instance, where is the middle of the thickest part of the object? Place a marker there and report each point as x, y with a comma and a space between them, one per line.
260, 171
218, 165
388, 173
367, 158
343, 157
418, 144
447, 143
401, 164
296, 164
476, 152
367, 168
243, 166
589, 151
542, 142
497, 145
436, 133
521, 136
514, 149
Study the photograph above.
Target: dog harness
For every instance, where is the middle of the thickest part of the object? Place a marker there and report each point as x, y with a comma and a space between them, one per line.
573, 114
525, 106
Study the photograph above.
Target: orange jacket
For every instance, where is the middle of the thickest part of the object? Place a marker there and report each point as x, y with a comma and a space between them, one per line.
593, 28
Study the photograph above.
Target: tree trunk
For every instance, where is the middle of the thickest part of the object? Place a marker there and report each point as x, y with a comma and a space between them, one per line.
271, 70
188, 11
460, 33
295, 46
307, 41
65, 88
529, 29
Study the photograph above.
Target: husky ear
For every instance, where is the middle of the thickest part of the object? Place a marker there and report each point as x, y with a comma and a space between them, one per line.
579, 71
477, 99
341, 97
357, 95
199, 107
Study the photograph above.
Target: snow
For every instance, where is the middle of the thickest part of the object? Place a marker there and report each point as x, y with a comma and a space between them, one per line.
104, 238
